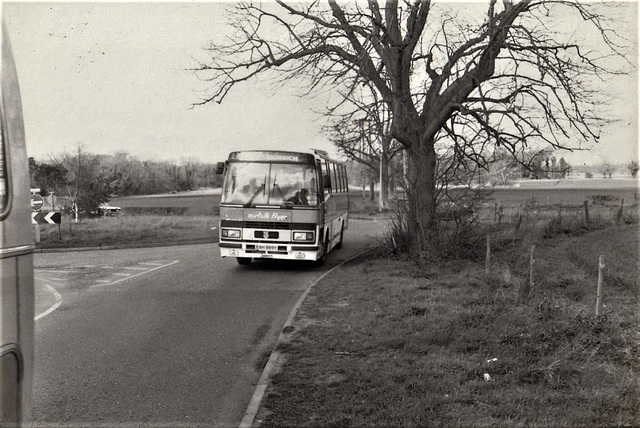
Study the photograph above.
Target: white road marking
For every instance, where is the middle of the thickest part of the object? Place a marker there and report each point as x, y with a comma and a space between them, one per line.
134, 268
101, 282
60, 280
52, 307
137, 274
151, 264
48, 278
50, 271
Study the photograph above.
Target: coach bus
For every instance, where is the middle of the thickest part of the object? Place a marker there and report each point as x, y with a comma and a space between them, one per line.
282, 205
16, 248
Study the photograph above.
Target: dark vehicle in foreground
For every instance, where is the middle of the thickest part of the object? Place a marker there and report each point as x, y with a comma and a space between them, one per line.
16, 254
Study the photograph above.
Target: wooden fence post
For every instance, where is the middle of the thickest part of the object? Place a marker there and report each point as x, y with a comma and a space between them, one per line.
620, 211
487, 260
518, 223
600, 286
559, 217
586, 212
532, 263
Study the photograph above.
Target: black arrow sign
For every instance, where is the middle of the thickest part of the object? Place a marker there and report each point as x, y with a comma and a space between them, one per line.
46, 217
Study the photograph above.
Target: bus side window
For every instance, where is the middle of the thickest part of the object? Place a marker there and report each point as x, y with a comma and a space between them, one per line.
346, 178
334, 178
326, 176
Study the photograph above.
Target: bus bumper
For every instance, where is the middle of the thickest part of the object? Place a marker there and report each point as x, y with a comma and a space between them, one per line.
291, 252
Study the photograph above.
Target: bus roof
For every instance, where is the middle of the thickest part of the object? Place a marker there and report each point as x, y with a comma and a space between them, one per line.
279, 156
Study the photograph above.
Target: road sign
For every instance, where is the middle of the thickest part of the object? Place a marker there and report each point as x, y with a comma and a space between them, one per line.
46, 217
36, 202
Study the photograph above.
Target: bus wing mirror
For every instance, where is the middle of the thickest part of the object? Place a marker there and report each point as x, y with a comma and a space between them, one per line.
219, 167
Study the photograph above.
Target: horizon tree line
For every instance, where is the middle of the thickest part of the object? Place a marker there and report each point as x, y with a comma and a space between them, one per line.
87, 180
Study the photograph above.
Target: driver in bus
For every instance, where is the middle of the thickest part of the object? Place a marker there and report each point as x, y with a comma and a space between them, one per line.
300, 198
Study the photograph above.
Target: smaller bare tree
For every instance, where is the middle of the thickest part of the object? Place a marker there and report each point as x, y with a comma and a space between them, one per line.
87, 181
608, 169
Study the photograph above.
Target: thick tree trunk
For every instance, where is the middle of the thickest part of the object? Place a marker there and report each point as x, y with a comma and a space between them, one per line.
421, 172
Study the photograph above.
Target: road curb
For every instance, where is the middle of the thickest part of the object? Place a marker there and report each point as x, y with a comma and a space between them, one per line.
273, 362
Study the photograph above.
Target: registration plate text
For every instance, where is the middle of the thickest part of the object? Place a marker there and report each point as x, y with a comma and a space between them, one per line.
266, 247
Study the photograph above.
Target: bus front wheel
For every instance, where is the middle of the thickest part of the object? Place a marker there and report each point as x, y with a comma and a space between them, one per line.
244, 260
325, 250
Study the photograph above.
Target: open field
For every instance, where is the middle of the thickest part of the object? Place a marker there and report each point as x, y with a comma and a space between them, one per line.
193, 204
567, 192
387, 342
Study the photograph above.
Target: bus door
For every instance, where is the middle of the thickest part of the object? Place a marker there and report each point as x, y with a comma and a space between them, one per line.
16, 248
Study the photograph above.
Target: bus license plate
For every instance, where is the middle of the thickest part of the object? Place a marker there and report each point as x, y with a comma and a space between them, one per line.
266, 247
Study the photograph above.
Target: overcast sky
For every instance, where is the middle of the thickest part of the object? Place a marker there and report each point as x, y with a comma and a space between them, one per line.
112, 76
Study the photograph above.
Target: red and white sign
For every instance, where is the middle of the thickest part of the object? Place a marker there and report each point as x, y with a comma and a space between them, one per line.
36, 202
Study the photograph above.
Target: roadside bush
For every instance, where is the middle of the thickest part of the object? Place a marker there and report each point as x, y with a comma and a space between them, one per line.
602, 199
457, 234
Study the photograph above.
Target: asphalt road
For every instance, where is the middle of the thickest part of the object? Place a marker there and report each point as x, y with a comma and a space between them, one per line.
169, 336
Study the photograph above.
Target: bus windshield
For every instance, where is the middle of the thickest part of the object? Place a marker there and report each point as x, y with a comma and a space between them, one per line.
270, 183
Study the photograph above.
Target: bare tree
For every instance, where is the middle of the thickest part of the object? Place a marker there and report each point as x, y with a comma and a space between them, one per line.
608, 169
459, 81
87, 181
363, 134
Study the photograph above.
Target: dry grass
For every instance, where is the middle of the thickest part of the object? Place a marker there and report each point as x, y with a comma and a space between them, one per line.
387, 343
128, 230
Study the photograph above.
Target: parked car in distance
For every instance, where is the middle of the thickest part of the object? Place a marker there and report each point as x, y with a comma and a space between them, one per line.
105, 210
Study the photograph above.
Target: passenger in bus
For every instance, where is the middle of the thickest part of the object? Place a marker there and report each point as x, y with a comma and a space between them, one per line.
300, 198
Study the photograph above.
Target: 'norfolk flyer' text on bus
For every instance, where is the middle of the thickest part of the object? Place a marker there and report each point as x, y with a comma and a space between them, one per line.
282, 205
16, 248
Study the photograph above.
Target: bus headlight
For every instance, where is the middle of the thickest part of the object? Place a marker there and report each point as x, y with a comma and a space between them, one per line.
231, 233
303, 236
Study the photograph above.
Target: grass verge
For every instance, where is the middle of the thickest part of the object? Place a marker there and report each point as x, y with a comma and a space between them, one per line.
385, 343
128, 230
